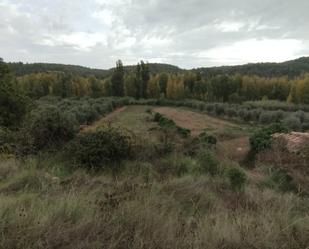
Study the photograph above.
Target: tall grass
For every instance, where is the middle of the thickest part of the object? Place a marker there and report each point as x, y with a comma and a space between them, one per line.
82, 210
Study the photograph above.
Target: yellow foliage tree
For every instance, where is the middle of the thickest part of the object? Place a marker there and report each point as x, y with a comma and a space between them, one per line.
175, 87
153, 88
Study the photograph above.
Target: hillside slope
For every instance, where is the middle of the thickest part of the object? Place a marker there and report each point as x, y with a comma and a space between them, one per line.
291, 69
21, 69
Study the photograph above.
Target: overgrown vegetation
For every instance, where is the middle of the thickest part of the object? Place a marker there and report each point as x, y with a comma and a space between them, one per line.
167, 123
75, 174
101, 149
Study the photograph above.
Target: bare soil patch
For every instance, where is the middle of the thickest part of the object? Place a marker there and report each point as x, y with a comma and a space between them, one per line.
194, 121
234, 147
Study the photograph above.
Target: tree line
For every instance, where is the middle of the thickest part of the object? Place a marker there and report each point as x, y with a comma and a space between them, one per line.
140, 82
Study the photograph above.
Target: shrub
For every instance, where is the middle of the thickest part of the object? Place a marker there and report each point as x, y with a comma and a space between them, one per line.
208, 163
301, 115
267, 117
149, 110
219, 109
256, 114
305, 126
170, 124
49, 127
231, 112
261, 140
102, 149
210, 108
237, 178
183, 132
207, 138
157, 117
292, 123
247, 116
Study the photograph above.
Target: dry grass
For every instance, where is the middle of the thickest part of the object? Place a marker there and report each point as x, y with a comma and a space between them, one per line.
95, 211
152, 204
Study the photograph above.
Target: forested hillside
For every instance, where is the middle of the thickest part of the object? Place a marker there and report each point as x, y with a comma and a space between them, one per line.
163, 81
21, 69
291, 69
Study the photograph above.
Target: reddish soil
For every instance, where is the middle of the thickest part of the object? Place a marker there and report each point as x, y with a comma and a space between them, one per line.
196, 122
294, 141
233, 148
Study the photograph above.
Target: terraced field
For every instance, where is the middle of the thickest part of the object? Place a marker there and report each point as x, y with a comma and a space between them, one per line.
233, 138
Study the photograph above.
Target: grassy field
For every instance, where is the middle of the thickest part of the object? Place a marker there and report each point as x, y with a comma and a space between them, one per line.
42, 208
166, 202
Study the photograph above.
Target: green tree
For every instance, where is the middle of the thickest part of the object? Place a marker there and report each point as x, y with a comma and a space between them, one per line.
95, 87
145, 76
130, 86
117, 80
13, 105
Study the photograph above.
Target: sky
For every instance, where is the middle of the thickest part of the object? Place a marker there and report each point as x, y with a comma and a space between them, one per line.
186, 33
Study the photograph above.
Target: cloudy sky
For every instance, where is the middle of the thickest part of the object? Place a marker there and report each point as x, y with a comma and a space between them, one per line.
187, 33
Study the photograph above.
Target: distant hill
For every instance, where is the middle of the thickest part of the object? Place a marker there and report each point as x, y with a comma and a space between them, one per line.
22, 69
291, 68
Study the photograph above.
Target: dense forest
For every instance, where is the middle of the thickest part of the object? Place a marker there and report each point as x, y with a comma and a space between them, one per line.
227, 84
291, 69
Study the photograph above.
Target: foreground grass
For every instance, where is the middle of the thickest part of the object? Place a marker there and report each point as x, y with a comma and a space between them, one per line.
42, 205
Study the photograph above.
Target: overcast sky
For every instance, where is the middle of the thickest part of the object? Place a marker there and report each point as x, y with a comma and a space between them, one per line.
187, 33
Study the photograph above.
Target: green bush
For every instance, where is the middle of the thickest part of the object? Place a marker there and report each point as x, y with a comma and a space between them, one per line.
102, 149
48, 127
183, 132
170, 124
237, 178
267, 117
231, 112
305, 126
157, 117
204, 137
13, 104
208, 164
261, 140
292, 123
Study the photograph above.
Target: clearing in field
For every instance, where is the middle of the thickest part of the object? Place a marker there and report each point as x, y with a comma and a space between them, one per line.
233, 138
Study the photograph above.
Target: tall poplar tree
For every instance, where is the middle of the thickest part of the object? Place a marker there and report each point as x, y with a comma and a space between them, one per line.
117, 80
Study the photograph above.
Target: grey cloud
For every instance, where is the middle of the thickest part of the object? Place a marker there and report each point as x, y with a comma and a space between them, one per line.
97, 32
